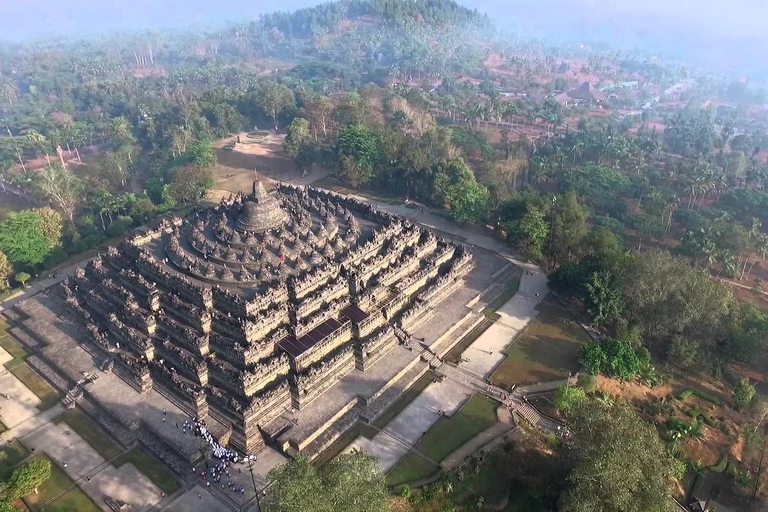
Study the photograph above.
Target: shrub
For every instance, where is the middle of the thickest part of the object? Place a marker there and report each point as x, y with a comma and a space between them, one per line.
698, 413
744, 394
119, 225
593, 358
57, 256
587, 382
701, 394
678, 425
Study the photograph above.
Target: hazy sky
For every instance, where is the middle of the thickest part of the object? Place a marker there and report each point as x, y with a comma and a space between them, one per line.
24, 18
708, 25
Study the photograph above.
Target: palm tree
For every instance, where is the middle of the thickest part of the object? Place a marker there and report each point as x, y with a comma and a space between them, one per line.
762, 250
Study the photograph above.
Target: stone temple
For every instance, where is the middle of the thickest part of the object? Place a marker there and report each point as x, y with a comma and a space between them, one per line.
273, 316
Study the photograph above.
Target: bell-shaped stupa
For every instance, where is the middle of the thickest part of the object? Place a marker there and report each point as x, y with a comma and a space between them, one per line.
261, 211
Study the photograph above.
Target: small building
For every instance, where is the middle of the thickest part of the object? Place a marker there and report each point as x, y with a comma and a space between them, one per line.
585, 93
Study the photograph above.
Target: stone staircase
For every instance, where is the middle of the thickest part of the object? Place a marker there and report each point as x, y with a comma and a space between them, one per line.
431, 359
528, 413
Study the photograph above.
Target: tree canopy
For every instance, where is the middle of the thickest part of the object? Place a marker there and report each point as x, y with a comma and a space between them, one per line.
350, 483
618, 462
25, 237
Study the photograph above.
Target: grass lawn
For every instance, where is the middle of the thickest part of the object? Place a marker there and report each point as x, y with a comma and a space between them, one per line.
547, 350
47, 395
10, 455
448, 434
11, 346
411, 468
151, 468
74, 499
85, 428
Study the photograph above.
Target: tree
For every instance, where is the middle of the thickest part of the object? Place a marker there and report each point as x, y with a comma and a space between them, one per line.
62, 188
359, 151
319, 110
121, 133
467, 200
744, 394
274, 98
200, 152
665, 296
22, 238
50, 225
569, 228
5, 271
350, 483
190, 183
26, 479
22, 278
298, 142
604, 301
568, 398
617, 461
530, 232
593, 358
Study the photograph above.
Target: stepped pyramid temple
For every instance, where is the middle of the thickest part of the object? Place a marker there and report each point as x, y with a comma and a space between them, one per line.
279, 318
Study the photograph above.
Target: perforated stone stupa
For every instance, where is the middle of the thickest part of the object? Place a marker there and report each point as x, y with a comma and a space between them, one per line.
261, 303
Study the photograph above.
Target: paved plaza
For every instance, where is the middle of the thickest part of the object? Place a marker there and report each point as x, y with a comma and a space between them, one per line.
21, 404
480, 359
196, 499
487, 351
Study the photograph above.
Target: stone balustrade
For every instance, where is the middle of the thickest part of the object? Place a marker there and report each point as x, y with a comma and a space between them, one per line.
189, 365
373, 348
193, 340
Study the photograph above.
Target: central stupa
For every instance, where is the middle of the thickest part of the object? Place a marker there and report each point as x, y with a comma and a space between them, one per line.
261, 211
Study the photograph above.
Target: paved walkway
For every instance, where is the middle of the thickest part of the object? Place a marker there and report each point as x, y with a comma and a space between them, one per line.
31, 424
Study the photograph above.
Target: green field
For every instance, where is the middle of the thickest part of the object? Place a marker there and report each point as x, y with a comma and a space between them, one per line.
72, 500
10, 455
86, 429
10, 345
47, 395
448, 434
151, 468
547, 350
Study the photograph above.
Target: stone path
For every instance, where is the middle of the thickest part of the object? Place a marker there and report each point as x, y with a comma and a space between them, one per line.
32, 424
196, 499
